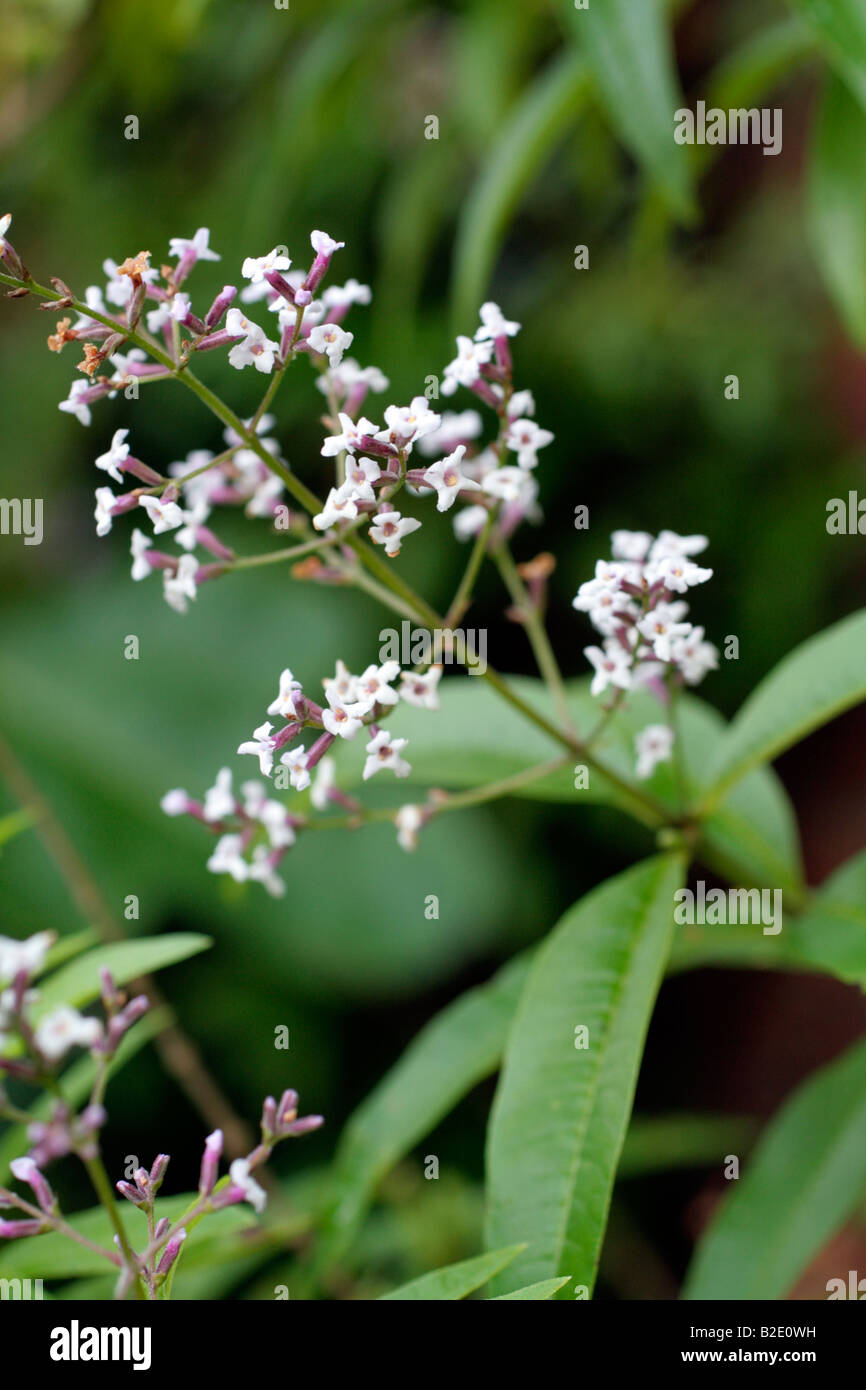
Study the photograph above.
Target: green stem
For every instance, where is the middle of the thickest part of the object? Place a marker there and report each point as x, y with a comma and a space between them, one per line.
463, 596
102, 1187
535, 631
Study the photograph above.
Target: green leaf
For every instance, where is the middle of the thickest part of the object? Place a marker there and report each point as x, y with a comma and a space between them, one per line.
456, 1281
805, 1177
628, 49
814, 683
455, 1051
535, 1292
840, 29
560, 1114
78, 983
658, 1143
837, 203
534, 126
15, 823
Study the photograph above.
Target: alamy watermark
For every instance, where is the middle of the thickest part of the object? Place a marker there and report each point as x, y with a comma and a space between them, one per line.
739, 126
419, 646
729, 907
21, 1290
22, 516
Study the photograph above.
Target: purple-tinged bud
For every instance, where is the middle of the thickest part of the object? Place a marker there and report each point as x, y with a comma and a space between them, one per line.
136, 304
317, 752
124, 1020
206, 538
304, 1126
279, 283
12, 1230
213, 1147
269, 1117
171, 1252
141, 470
157, 1172
219, 306
108, 988
131, 1193
324, 247
217, 340
142, 1177
145, 369
162, 1228
288, 1107
25, 1170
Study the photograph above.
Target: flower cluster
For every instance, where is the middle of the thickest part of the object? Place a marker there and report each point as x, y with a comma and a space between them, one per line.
255, 831
634, 601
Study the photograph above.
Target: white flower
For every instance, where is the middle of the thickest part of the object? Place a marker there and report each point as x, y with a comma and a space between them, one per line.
348, 375
228, 859
350, 436
652, 745
408, 821
341, 719
343, 685
693, 656
521, 404
454, 428
361, 474
179, 307
177, 588
409, 422
677, 573
239, 1172
661, 627
105, 500
262, 501
64, 1028
421, 690
275, 819
383, 752
261, 746
74, 405
324, 245
340, 505
5, 224
164, 516
465, 369
448, 479
469, 521
339, 296
669, 543
508, 484
389, 528
609, 574
219, 800
141, 544
284, 702
175, 802
611, 609
493, 325
332, 340
296, 761
261, 870
28, 955
255, 349
526, 438
179, 246
157, 318
630, 545
254, 267
373, 687
193, 518
117, 454
612, 666
323, 782
94, 300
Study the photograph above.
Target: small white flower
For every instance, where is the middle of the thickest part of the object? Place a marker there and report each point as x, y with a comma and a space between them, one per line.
341, 719
177, 588
141, 544
343, 685
677, 573
254, 267
373, 687
389, 528
454, 428
261, 746
323, 782
409, 821
408, 423
421, 690
117, 454
340, 505
157, 318
175, 802
465, 369
508, 484
285, 702
296, 761
74, 405
609, 574
521, 404
219, 800
493, 325
361, 474
630, 545
324, 245
64, 1028
662, 626
611, 610
332, 340
384, 752
469, 521
193, 518
179, 307
261, 870
105, 500
255, 348
526, 438
164, 516
693, 656
339, 296
228, 859
239, 1173
5, 224
178, 246
653, 745
448, 479
28, 955
350, 436
612, 666
669, 543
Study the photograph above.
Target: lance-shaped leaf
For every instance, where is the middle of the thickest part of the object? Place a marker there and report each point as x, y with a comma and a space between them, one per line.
839, 27
837, 203
456, 1281
806, 1176
562, 1108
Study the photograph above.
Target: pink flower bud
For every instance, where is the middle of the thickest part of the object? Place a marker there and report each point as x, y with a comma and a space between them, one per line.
213, 1147
171, 1252
219, 306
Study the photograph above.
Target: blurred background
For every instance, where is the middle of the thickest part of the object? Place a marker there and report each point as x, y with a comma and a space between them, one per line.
261, 124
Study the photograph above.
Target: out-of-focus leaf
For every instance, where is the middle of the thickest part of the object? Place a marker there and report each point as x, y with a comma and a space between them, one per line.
628, 50
814, 683
658, 1143
14, 824
456, 1281
561, 1110
806, 1175
535, 1292
78, 983
840, 28
837, 202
